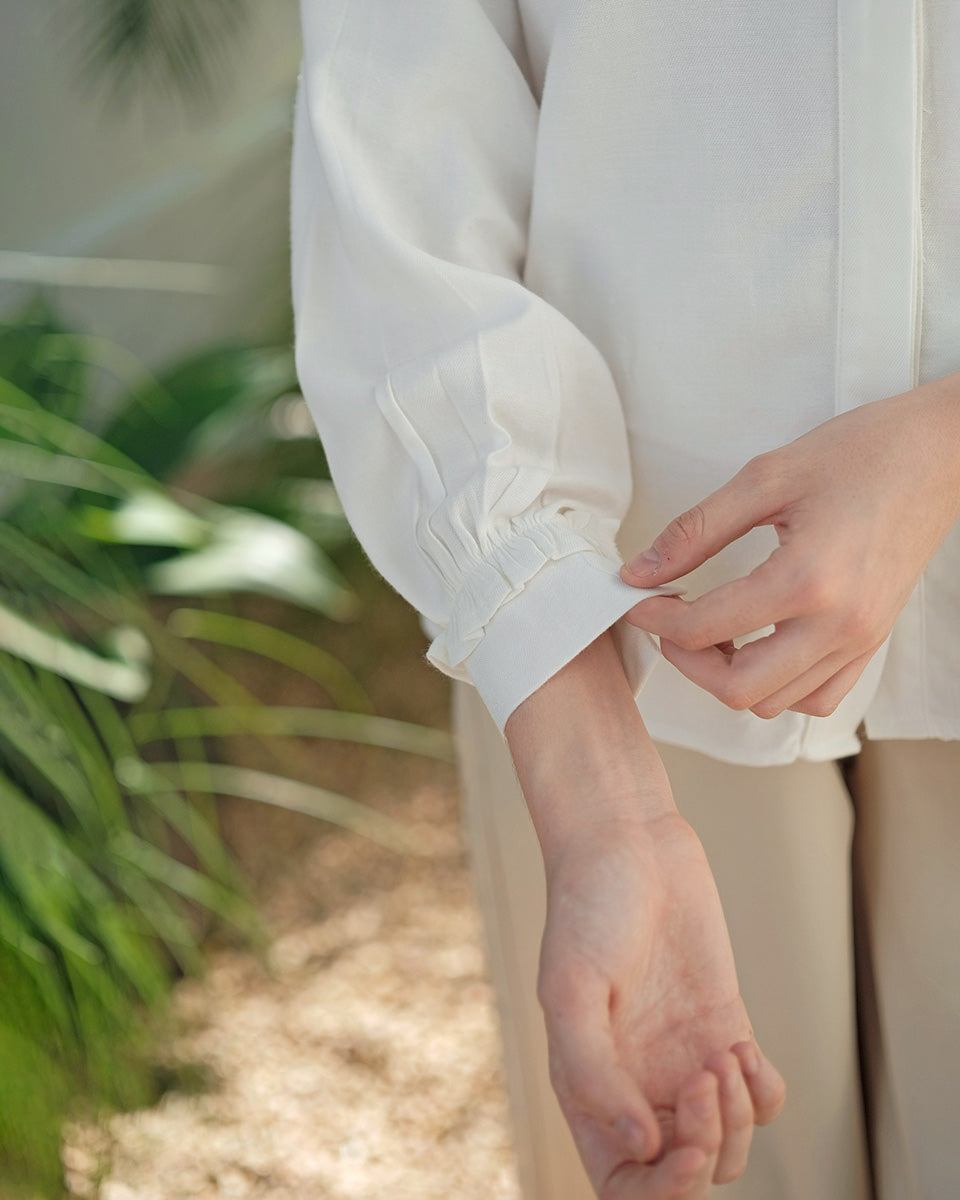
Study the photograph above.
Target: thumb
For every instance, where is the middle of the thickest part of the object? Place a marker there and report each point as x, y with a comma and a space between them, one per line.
585, 1068
700, 532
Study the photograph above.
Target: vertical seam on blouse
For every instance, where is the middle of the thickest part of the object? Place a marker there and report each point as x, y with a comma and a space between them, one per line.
918, 193
917, 326
838, 353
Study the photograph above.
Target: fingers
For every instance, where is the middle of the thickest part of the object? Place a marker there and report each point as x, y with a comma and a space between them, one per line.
752, 676
712, 1129
686, 1170
750, 498
803, 685
699, 1124
736, 1111
673, 1178
768, 1092
767, 596
584, 1065
716, 1112
744, 677
805, 665
824, 700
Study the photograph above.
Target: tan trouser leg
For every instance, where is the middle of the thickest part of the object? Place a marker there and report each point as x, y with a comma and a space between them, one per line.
509, 882
907, 873
778, 840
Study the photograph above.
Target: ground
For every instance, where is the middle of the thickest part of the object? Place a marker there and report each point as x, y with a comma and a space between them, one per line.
362, 1060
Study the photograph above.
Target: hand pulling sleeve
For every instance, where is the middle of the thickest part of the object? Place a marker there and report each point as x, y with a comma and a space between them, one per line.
474, 434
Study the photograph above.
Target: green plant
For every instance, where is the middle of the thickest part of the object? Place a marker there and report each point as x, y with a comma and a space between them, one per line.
177, 44
112, 717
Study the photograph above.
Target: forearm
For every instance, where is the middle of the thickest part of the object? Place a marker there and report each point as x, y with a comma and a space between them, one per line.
582, 752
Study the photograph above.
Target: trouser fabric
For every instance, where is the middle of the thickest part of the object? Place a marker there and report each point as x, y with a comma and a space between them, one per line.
840, 888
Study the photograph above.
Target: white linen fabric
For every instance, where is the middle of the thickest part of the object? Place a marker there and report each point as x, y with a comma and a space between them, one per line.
561, 267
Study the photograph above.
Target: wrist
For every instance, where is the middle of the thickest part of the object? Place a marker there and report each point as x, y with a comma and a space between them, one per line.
939, 404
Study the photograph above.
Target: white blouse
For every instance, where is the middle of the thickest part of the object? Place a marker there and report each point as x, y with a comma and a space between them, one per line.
561, 267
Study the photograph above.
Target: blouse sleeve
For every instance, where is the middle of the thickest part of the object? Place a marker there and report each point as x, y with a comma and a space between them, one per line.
474, 435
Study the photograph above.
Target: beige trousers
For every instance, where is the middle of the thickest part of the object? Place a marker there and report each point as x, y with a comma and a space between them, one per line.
842, 895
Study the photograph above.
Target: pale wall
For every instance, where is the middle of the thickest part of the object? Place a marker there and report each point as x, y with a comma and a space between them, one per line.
154, 181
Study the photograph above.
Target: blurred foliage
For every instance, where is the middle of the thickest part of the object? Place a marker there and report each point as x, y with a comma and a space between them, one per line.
205, 481
177, 45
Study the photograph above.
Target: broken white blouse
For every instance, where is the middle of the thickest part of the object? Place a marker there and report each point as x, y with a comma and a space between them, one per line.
561, 267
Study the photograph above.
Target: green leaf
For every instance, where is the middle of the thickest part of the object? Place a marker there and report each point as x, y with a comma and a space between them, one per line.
22, 415
130, 43
270, 789
145, 518
290, 721
186, 413
126, 679
249, 552
172, 873
277, 644
67, 470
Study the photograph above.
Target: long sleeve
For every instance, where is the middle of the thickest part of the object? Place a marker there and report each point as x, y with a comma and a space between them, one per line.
474, 435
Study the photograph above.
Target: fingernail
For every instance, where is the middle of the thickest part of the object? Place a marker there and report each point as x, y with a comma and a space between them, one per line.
645, 563
632, 1134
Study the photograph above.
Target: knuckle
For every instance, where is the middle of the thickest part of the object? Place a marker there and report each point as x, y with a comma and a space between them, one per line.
734, 695
859, 621
761, 472
687, 639
815, 593
766, 711
682, 530
721, 1062
821, 707
554, 991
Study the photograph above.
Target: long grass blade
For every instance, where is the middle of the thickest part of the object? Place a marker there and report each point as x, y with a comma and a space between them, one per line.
123, 680
293, 721
44, 466
277, 790
277, 644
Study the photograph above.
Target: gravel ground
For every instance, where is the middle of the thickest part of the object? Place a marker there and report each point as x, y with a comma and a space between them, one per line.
362, 1062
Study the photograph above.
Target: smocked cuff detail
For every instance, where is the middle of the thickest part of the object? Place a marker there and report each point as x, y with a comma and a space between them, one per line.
546, 618
502, 574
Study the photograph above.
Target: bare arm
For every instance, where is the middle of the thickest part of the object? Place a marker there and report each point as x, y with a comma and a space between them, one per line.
660, 1102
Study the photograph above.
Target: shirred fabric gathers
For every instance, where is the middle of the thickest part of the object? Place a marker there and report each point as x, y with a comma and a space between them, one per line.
561, 267
534, 539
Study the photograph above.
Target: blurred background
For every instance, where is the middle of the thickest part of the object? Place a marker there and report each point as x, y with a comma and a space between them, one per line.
238, 949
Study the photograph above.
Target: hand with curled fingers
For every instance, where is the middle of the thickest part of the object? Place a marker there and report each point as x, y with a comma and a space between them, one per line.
652, 1054
860, 505
653, 1058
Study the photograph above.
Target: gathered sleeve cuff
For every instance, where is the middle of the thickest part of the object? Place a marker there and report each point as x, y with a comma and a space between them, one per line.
540, 597
474, 433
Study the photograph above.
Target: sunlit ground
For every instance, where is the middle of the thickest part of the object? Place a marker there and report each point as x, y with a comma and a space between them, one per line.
367, 1067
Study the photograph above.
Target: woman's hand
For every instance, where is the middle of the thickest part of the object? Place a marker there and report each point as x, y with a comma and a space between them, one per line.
860, 504
652, 1055
637, 981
